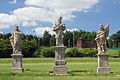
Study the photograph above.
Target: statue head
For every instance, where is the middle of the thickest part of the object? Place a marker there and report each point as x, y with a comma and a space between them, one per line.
16, 28
60, 19
101, 27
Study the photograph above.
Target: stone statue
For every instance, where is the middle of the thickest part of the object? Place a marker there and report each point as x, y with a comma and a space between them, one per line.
101, 38
16, 40
59, 27
60, 62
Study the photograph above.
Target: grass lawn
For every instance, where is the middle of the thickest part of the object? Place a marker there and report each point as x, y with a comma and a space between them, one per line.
40, 68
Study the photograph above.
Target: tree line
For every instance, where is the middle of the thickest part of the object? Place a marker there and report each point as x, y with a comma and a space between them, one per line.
32, 45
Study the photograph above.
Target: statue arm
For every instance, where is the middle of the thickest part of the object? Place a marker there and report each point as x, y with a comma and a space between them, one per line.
55, 27
97, 36
12, 39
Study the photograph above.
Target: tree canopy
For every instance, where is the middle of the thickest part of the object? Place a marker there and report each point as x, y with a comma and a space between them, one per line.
31, 43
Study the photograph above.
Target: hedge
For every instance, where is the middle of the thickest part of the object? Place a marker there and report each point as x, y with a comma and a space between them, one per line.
114, 53
84, 52
73, 52
45, 52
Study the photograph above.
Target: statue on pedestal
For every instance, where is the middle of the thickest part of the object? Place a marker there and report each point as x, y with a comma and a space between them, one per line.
101, 38
16, 40
59, 27
60, 62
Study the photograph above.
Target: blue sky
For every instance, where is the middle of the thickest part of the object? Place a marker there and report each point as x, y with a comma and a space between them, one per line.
83, 14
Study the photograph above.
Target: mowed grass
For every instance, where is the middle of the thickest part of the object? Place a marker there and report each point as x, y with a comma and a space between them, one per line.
41, 68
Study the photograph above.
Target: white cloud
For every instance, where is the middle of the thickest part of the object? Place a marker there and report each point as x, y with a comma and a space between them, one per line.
63, 8
26, 23
33, 14
13, 2
69, 5
41, 30
1, 32
26, 16
73, 29
7, 20
37, 11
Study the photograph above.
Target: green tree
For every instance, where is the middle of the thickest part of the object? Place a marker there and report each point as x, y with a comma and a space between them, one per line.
52, 40
29, 47
46, 38
5, 48
68, 39
114, 40
87, 36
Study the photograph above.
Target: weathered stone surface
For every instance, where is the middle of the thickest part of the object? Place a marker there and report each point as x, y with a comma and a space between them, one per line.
16, 40
103, 63
103, 70
59, 27
60, 61
101, 39
60, 52
17, 63
60, 70
102, 60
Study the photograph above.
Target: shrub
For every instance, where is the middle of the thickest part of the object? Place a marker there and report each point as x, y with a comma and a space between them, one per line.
73, 52
89, 52
84, 52
114, 53
37, 53
45, 52
48, 52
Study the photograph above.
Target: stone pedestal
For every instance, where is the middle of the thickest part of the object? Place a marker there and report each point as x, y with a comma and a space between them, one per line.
103, 63
17, 63
60, 62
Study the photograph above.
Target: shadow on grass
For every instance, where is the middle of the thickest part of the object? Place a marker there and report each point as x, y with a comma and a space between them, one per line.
79, 71
74, 71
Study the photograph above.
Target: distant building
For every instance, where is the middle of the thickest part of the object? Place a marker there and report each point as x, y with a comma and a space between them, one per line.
81, 43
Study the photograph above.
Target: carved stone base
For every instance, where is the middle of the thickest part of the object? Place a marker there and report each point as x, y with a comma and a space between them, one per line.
103, 70
17, 69
103, 63
17, 63
60, 70
60, 62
